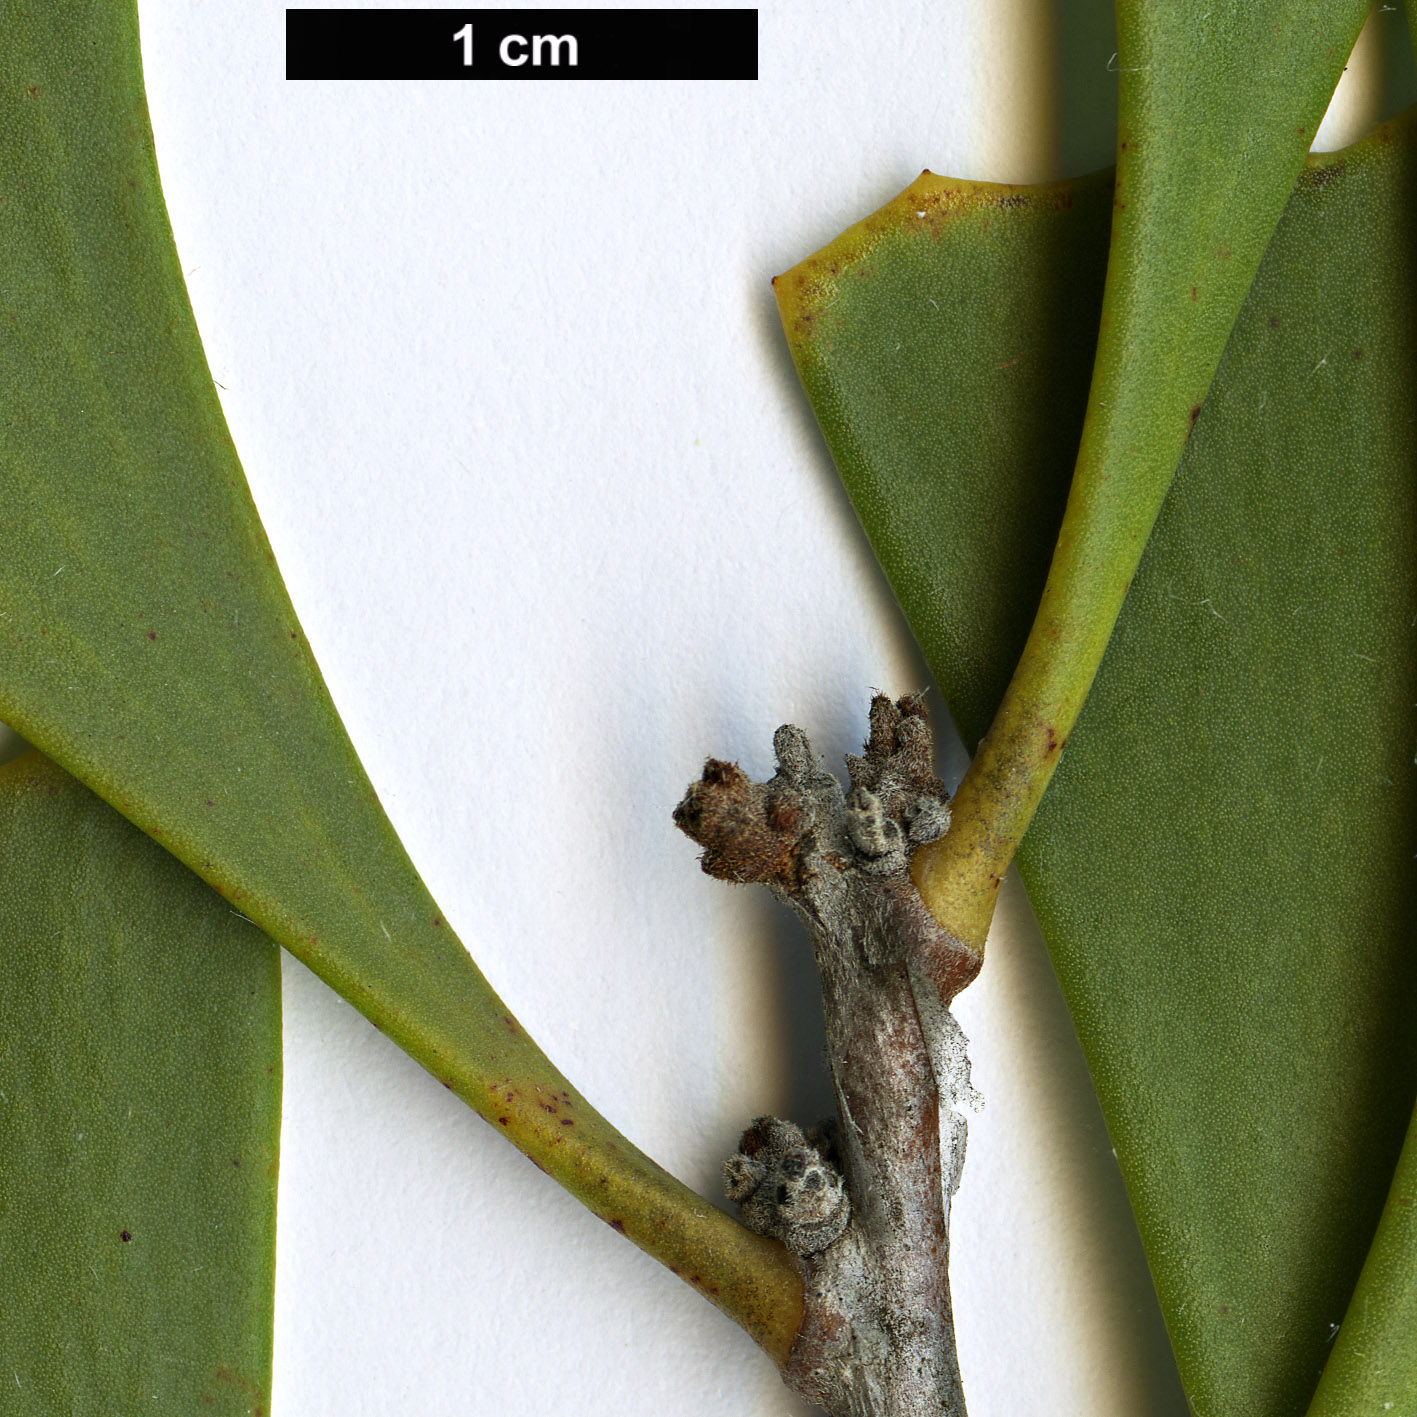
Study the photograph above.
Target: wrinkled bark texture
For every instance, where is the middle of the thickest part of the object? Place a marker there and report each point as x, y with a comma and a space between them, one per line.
877, 1339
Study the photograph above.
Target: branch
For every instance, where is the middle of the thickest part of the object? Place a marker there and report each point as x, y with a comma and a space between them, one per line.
864, 1200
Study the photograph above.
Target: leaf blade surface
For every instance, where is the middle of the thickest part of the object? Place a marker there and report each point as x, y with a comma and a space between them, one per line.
140, 1037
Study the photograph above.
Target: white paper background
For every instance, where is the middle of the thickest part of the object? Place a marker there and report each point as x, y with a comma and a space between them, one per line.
504, 369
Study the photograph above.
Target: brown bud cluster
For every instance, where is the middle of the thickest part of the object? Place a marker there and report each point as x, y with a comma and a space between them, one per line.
763, 831
785, 1185
750, 831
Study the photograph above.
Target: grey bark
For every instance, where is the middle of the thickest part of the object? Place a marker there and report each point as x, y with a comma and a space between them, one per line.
877, 1339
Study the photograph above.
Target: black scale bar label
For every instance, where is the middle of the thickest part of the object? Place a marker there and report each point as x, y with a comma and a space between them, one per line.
521, 44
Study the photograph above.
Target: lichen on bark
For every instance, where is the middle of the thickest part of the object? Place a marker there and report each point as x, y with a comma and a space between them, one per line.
877, 1338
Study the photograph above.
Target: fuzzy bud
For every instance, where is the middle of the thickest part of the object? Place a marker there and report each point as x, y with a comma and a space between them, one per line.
785, 1187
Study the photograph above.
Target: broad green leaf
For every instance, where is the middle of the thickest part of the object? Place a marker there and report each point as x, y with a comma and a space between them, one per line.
148, 645
1374, 1362
139, 1119
1217, 105
1223, 867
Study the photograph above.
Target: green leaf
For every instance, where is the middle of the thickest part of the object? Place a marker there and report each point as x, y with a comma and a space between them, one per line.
1217, 106
1224, 866
148, 645
139, 1119
1374, 1362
